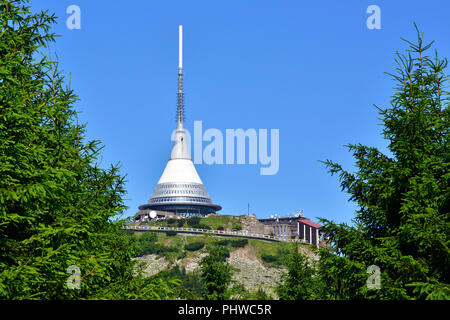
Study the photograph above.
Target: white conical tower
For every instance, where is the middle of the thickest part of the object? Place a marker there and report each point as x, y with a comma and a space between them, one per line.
180, 188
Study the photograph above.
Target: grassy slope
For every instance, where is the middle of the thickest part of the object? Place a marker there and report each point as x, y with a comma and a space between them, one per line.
226, 221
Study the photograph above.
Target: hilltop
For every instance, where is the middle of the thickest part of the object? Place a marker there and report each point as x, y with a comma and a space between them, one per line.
257, 264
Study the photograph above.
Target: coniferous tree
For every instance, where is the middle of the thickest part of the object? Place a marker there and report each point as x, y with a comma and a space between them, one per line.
58, 208
216, 273
301, 281
402, 223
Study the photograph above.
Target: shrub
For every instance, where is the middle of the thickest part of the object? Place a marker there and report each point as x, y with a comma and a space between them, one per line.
216, 274
180, 223
193, 222
171, 233
147, 245
268, 258
194, 246
171, 221
148, 236
220, 228
222, 242
181, 255
224, 253
276, 259
237, 227
239, 243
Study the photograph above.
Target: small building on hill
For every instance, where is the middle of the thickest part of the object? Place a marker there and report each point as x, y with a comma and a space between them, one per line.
294, 227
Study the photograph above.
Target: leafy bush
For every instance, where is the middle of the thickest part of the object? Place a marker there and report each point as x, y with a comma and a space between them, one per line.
194, 246
302, 280
216, 273
181, 254
192, 285
171, 233
180, 223
147, 244
237, 227
224, 253
193, 222
220, 228
239, 243
268, 258
148, 236
171, 221
222, 242
275, 259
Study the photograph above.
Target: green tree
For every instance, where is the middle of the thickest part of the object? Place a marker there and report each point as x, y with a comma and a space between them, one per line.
260, 294
301, 281
192, 286
57, 206
216, 273
402, 222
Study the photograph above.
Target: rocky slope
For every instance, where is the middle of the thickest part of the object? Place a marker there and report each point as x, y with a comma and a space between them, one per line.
249, 270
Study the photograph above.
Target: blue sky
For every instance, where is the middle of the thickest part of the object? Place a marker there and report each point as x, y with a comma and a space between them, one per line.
311, 69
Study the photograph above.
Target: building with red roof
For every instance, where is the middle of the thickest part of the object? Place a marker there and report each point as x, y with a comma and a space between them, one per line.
295, 227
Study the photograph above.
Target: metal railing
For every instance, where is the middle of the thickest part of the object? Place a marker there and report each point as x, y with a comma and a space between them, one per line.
215, 232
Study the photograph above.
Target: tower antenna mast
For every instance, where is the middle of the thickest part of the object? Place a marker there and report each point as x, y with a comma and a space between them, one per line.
180, 96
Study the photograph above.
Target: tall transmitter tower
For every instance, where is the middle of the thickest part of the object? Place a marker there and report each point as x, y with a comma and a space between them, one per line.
180, 189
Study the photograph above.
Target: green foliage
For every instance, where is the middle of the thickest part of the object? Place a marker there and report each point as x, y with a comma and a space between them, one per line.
191, 284
157, 287
239, 243
216, 274
194, 246
268, 258
224, 253
193, 222
431, 291
402, 223
220, 228
147, 243
301, 281
260, 294
237, 227
218, 220
222, 242
57, 206
196, 222
180, 223
276, 259
171, 221
237, 291
145, 237
171, 233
